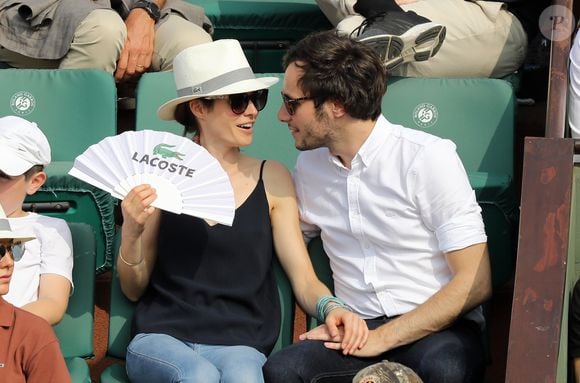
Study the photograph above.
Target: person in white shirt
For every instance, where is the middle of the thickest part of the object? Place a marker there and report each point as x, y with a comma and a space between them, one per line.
574, 90
398, 219
42, 282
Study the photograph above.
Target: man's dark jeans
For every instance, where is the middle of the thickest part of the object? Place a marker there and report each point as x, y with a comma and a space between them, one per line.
453, 355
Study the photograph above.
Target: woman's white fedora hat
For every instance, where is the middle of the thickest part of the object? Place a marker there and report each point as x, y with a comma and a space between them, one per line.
212, 69
7, 233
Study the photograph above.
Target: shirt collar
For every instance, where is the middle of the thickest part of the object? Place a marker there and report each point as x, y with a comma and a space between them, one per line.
6, 313
370, 148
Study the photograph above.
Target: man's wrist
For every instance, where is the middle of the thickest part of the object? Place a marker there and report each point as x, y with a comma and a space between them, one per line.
150, 7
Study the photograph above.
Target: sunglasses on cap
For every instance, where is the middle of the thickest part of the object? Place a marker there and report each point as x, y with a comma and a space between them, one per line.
17, 250
292, 103
239, 102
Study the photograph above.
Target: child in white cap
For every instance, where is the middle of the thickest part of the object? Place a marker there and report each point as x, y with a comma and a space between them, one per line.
30, 351
208, 307
43, 281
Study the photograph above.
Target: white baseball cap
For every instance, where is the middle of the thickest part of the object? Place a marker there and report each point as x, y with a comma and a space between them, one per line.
22, 145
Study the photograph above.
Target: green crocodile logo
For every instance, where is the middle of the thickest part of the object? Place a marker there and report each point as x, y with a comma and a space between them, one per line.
164, 151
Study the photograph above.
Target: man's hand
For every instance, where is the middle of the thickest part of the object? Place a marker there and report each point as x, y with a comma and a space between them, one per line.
344, 329
138, 49
373, 346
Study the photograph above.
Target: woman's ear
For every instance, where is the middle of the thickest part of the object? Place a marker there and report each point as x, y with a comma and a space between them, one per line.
197, 108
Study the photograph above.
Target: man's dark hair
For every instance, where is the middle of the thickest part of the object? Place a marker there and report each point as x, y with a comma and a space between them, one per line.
340, 69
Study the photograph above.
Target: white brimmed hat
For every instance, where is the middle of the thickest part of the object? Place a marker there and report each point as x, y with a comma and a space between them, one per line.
22, 145
7, 233
212, 69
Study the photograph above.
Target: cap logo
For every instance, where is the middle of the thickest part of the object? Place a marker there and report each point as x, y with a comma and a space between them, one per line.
425, 115
22, 103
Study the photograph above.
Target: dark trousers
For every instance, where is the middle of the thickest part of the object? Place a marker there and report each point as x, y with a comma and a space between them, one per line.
453, 355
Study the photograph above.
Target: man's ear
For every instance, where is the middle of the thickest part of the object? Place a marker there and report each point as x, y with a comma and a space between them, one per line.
337, 109
35, 182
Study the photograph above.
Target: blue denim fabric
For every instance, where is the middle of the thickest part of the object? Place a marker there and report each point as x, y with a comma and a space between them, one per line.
159, 358
453, 355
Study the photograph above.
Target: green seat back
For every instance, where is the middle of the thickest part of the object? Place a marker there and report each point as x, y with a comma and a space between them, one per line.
475, 113
75, 330
265, 28
75, 109
121, 315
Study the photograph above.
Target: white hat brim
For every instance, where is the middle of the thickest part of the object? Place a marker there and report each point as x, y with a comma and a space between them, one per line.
11, 235
167, 110
12, 164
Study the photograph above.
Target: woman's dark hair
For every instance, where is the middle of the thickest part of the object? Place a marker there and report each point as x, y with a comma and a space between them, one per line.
185, 117
340, 69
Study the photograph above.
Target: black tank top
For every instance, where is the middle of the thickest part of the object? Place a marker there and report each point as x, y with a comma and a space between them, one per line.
215, 284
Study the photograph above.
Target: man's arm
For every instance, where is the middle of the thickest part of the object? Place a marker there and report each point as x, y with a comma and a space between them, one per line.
469, 287
53, 295
137, 52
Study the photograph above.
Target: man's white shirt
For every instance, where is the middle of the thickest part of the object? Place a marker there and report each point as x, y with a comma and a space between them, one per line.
387, 222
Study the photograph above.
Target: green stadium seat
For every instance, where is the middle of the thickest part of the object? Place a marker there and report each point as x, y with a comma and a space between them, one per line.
75, 109
477, 114
265, 28
75, 330
121, 314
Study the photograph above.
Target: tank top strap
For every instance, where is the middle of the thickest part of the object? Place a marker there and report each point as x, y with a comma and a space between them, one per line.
262, 168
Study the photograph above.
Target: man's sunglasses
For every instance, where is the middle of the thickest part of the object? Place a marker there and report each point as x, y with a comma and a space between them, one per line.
239, 102
17, 250
292, 103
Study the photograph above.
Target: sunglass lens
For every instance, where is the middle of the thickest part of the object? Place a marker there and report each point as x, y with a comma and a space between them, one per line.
17, 251
2, 251
239, 102
260, 98
288, 104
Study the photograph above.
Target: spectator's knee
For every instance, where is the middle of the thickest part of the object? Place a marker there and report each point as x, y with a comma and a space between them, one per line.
451, 366
97, 42
104, 28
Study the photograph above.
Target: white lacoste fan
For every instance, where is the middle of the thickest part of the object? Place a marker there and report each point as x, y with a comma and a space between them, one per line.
188, 179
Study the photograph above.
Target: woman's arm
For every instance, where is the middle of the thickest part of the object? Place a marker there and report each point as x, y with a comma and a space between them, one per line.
137, 253
293, 256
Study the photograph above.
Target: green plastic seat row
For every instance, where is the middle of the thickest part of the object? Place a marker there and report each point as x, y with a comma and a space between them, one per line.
75, 109
75, 330
265, 28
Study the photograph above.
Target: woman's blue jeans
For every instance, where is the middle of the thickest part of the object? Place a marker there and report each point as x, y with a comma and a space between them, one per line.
159, 358
453, 355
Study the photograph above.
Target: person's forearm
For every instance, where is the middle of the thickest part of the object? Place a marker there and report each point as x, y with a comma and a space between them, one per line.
438, 312
307, 294
132, 265
49, 309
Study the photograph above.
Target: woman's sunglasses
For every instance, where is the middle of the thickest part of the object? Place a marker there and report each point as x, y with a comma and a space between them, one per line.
17, 250
239, 102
